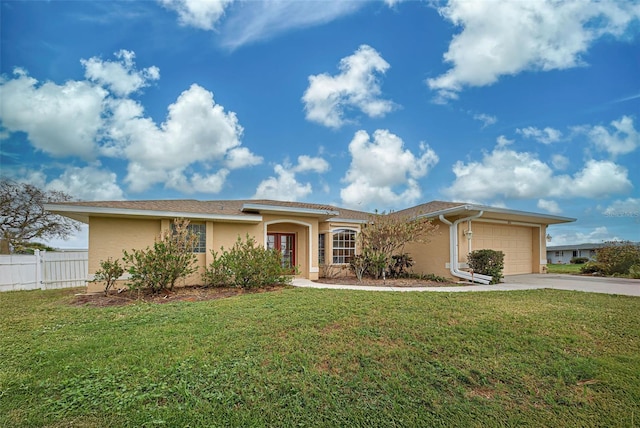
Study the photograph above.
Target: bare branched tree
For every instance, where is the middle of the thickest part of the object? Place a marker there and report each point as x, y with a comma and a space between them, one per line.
23, 217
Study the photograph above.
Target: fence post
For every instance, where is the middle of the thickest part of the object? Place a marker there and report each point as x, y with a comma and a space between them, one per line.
38, 269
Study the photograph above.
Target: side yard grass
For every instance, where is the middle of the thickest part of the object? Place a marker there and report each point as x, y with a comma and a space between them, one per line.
323, 358
565, 268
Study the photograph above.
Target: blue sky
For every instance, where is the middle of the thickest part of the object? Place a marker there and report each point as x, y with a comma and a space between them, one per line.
367, 104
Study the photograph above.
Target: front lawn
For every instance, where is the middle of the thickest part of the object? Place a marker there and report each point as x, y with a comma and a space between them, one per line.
305, 357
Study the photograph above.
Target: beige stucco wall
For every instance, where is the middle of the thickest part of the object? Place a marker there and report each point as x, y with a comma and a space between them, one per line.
432, 257
109, 236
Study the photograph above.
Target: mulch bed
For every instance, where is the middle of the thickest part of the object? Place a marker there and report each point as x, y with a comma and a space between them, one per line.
178, 294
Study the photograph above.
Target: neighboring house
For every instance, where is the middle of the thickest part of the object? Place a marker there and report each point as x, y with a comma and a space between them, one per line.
562, 254
313, 236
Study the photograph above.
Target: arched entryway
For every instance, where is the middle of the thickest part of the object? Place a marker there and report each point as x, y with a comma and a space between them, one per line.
293, 239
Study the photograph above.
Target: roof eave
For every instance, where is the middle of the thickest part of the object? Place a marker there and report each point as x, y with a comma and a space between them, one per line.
548, 219
278, 209
82, 213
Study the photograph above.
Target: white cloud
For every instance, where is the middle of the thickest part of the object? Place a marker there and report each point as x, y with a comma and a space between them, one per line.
382, 172
314, 164
629, 207
487, 120
559, 162
256, 21
241, 157
501, 37
622, 140
61, 120
88, 184
121, 76
544, 136
503, 141
549, 206
196, 131
521, 175
282, 187
202, 14
595, 236
356, 87
285, 186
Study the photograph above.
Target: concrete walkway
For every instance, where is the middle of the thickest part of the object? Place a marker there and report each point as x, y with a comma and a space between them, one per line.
623, 286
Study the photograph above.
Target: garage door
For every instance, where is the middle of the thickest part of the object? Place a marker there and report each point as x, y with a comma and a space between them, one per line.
513, 241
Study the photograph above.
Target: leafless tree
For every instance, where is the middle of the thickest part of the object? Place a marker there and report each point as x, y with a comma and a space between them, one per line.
23, 217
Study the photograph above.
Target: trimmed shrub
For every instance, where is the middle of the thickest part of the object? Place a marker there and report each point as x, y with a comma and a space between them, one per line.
579, 260
487, 262
246, 265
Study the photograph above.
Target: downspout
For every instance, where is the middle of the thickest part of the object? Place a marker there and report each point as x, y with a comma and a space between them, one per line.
453, 251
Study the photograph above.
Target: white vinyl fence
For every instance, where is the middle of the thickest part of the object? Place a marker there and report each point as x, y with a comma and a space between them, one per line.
44, 270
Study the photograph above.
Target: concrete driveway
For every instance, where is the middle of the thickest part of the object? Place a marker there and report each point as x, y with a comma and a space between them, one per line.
594, 284
629, 287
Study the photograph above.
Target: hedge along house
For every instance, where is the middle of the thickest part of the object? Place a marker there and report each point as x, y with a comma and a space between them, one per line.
317, 239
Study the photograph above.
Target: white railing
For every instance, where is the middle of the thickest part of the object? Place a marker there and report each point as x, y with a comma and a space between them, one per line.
43, 270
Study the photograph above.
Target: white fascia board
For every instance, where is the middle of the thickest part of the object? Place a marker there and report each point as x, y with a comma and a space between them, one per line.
551, 219
294, 210
107, 211
347, 220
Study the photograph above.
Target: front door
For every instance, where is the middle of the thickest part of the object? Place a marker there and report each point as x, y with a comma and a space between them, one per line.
285, 243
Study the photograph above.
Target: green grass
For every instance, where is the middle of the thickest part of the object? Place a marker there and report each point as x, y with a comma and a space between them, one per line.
303, 357
568, 268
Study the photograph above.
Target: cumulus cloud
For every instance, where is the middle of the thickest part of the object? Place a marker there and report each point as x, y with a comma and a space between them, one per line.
88, 184
355, 87
202, 14
196, 131
559, 162
61, 120
285, 186
313, 164
544, 136
521, 175
120, 77
96, 118
501, 38
622, 140
549, 206
382, 172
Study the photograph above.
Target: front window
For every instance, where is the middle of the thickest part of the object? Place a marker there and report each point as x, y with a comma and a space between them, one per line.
321, 249
344, 246
200, 230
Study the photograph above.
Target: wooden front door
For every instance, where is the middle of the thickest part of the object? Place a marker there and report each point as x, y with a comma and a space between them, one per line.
285, 243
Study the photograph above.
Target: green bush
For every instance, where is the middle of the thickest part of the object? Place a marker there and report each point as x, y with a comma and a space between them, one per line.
617, 257
592, 268
246, 265
400, 265
487, 262
634, 271
109, 272
579, 260
171, 258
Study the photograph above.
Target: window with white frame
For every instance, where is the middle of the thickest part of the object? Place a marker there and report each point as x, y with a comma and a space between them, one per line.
344, 246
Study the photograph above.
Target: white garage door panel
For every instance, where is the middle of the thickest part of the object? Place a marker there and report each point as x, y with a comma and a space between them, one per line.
514, 241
